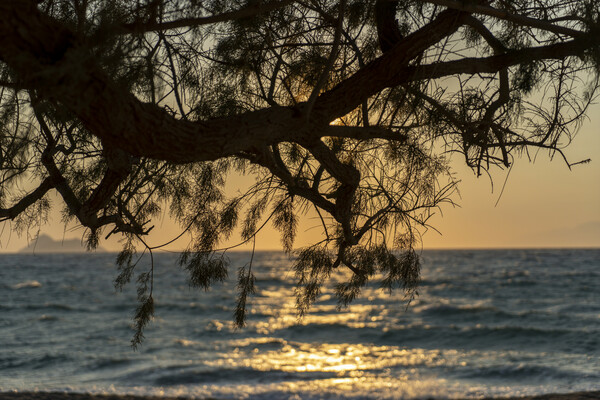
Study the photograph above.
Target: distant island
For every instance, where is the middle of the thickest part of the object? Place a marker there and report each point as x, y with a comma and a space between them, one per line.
45, 244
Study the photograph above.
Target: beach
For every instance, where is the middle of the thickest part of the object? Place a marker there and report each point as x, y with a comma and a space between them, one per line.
87, 396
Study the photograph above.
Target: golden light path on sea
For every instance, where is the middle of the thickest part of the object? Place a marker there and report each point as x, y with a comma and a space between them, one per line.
334, 368
344, 369
356, 368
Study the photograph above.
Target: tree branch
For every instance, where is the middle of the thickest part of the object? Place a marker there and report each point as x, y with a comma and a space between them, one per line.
474, 8
381, 72
492, 64
251, 10
348, 177
119, 167
335, 47
388, 32
46, 57
365, 133
26, 201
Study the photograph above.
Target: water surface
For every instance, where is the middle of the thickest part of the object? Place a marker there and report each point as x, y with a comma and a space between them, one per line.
501, 322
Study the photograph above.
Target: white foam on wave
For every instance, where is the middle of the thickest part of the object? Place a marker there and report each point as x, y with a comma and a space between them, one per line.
27, 284
185, 342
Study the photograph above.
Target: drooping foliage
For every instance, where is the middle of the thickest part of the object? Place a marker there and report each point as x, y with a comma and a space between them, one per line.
348, 109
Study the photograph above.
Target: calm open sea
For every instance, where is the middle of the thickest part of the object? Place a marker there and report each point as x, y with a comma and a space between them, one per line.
501, 322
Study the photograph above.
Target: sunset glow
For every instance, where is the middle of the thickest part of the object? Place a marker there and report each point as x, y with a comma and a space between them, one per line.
543, 204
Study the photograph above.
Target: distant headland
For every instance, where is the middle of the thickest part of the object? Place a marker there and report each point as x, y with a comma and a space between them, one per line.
45, 244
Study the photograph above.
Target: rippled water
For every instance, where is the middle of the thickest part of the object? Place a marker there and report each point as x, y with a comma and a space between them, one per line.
502, 322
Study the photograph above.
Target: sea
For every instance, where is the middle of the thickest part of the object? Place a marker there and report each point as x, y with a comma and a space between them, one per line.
484, 323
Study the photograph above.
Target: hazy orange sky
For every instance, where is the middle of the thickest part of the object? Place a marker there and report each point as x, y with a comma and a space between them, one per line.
544, 204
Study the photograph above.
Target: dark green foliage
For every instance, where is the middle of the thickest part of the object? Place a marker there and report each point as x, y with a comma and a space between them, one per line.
348, 291
395, 270
527, 77
125, 265
145, 310
312, 267
285, 221
92, 240
204, 269
401, 271
246, 287
143, 315
253, 216
36, 215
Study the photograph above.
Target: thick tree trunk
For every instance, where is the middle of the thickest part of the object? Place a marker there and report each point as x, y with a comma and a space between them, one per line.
46, 57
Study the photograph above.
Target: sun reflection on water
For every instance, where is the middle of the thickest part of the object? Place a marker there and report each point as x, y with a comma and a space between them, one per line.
344, 367
340, 368
342, 359
376, 348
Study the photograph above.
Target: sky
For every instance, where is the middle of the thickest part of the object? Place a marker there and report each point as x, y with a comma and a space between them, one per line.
543, 204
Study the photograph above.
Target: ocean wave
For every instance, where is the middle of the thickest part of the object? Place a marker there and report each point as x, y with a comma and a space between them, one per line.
519, 282
519, 372
52, 306
506, 337
187, 306
483, 314
425, 282
257, 344
320, 331
446, 310
238, 375
32, 362
109, 363
516, 332
186, 342
10, 362
45, 317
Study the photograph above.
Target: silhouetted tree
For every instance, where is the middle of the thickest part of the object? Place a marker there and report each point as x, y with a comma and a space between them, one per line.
129, 109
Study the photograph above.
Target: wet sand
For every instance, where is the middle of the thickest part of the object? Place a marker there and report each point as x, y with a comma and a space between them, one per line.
79, 396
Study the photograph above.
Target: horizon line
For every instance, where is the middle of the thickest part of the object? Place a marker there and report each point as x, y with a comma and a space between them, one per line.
475, 248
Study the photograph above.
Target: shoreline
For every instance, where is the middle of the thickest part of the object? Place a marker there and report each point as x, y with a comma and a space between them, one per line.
588, 395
